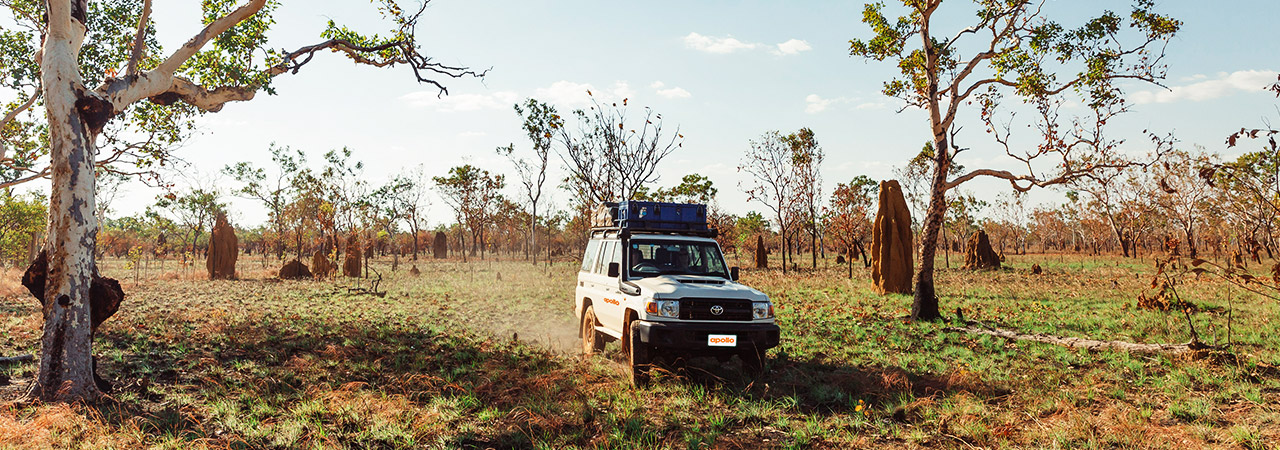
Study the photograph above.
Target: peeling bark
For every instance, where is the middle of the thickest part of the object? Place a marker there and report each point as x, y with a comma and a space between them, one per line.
66, 363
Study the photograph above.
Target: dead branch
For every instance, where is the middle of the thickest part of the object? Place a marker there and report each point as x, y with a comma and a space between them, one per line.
17, 359
1089, 344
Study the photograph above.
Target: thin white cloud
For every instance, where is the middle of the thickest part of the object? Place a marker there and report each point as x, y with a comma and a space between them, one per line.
571, 94
1225, 84
729, 44
871, 105
716, 45
792, 47
814, 103
674, 92
460, 102
564, 93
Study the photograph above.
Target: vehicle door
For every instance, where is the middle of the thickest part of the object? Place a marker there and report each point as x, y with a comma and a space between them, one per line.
607, 298
585, 288
611, 297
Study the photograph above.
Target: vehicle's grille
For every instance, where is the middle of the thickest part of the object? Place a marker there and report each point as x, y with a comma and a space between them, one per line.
700, 309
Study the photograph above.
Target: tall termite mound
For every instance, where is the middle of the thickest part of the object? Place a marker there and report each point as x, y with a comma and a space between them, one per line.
891, 244
440, 247
320, 265
351, 265
762, 253
978, 255
223, 250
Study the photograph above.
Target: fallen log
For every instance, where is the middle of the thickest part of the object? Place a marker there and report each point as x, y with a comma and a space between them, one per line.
1073, 342
17, 359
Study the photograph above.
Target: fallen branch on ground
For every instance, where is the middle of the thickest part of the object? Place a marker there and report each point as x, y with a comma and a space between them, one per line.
1091, 344
17, 359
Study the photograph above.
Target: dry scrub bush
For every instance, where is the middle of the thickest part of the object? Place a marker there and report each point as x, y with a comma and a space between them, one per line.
11, 283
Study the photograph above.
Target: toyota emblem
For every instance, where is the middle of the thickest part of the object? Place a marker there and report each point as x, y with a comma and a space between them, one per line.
717, 310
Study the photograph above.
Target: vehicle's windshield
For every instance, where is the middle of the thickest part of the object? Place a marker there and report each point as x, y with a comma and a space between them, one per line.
650, 258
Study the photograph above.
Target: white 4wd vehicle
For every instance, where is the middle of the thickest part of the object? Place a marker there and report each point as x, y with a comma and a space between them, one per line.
668, 293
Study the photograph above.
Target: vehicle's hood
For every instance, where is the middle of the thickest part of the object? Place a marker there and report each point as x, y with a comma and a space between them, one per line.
682, 286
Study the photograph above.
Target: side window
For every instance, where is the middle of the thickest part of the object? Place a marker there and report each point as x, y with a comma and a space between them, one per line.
589, 259
617, 254
602, 262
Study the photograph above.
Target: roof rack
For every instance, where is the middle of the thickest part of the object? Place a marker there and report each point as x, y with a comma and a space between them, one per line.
708, 232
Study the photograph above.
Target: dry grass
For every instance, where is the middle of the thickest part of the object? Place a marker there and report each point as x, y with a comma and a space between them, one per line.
258, 363
11, 283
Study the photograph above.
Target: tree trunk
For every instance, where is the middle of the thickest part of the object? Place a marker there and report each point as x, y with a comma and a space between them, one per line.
849, 260
415, 242
925, 303
813, 245
1191, 244
66, 358
533, 233
946, 249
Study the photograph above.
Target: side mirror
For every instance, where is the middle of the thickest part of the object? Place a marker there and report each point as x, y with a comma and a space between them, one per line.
733, 273
628, 288
615, 270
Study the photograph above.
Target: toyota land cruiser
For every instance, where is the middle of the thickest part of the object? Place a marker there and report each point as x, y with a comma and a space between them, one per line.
654, 279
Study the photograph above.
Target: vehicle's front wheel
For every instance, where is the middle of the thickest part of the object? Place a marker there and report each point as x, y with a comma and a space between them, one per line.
638, 357
592, 341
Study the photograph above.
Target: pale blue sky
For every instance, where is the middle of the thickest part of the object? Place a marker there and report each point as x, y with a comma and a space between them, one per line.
725, 72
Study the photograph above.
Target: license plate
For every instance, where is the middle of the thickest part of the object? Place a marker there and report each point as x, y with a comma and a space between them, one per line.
722, 340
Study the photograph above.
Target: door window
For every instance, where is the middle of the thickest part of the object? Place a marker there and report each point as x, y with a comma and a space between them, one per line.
589, 259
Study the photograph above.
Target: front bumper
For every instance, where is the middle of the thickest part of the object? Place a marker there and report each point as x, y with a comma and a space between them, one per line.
693, 336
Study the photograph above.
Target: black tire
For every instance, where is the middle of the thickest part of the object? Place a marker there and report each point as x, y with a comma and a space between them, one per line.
592, 341
638, 357
753, 360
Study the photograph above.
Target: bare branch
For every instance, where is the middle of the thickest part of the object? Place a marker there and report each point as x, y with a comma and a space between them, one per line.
139, 39
23, 107
38, 175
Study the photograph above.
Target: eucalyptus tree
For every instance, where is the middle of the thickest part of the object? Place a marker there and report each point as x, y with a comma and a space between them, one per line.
770, 164
850, 217
474, 195
196, 209
1184, 198
1011, 47
274, 190
415, 203
541, 122
94, 66
806, 158
610, 156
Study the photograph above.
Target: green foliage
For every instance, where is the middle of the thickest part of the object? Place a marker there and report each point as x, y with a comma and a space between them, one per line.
196, 209
474, 195
540, 123
233, 58
749, 225
1026, 50
20, 218
693, 188
152, 129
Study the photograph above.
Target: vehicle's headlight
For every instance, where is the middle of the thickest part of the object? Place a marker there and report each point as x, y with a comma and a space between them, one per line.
663, 308
761, 310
